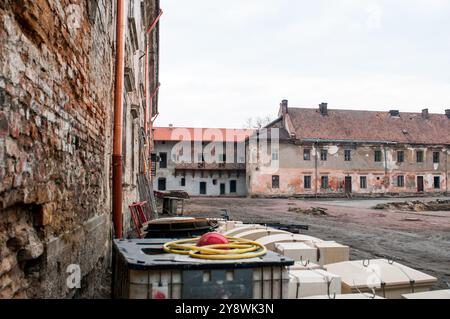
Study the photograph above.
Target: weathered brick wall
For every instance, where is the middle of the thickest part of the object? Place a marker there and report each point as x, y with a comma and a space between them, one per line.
56, 73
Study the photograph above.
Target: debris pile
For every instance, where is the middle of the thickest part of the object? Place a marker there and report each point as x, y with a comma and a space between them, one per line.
312, 211
417, 206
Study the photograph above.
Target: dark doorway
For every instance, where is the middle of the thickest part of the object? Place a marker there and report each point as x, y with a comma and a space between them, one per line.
161, 184
203, 188
222, 188
348, 184
420, 184
163, 160
232, 186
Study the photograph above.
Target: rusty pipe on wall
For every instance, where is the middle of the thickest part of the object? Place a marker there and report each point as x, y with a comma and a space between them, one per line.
118, 119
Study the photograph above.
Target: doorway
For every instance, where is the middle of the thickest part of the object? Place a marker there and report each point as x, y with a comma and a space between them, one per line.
203, 188
348, 184
161, 184
420, 187
222, 188
232, 186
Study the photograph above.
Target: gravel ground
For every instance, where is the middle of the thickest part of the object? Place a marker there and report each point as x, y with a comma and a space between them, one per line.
419, 240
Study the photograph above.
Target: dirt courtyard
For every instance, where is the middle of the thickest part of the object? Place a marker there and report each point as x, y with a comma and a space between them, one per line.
417, 239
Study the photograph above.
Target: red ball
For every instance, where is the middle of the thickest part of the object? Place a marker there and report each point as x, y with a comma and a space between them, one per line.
212, 239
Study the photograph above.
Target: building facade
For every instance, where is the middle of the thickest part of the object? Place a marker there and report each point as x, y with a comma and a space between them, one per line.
56, 95
200, 161
324, 152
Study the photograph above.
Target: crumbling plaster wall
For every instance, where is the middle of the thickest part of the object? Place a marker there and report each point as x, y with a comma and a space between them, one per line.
381, 176
56, 72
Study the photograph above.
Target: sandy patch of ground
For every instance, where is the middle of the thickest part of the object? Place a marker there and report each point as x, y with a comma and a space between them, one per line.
418, 239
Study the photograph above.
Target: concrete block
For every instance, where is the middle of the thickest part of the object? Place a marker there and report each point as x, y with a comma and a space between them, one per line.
331, 252
297, 251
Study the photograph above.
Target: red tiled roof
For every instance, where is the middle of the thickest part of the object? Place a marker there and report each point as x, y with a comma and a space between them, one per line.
370, 126
200, 134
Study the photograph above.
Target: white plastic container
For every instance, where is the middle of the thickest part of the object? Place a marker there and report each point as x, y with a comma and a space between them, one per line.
297, 251
305, 283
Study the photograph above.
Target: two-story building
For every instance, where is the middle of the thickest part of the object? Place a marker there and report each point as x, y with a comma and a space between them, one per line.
200, 161
322, 152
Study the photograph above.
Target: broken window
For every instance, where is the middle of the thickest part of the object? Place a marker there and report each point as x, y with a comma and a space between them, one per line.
363, 182
400, 156
347, 155
437, 182
419, 156
307, 182
324, 182
275, 181
306, 154
400, 181
436, 157
323, 155
377, 155
162, 160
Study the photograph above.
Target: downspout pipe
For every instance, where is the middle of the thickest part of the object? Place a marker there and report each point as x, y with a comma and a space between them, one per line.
118, 120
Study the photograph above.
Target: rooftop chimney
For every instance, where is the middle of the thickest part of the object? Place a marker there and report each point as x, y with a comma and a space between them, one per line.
447, 112
284, 107
425, 113
323, 108
394, 112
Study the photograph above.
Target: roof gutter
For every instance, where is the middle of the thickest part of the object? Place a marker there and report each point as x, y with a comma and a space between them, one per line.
319, 140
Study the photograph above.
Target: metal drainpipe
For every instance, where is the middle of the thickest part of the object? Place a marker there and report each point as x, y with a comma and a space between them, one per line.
118, 119
385, 167
146, 117
315, 164
447, 153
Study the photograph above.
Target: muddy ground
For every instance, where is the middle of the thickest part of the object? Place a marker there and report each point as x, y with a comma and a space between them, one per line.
420, 240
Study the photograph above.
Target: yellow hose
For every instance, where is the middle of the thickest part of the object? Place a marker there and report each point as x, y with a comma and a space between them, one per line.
237, 248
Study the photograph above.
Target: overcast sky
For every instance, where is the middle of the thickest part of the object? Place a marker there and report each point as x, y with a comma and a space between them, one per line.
225, 61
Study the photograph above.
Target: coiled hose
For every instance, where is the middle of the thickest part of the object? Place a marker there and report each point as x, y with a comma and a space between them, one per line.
237, 248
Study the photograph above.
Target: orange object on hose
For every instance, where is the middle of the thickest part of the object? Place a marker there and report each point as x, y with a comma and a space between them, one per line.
212, 239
